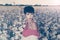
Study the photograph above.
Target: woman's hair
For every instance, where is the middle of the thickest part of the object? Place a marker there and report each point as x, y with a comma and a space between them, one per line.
28, 9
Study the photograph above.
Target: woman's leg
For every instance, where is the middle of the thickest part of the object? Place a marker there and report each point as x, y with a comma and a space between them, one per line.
32, 37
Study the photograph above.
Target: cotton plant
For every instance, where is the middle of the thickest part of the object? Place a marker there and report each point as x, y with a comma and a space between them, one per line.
17, 35
12, 38
0, 32
20, 28
45, 19
44, 38
3, 36
4, 25
16, 32
58, 37
1, 20
51, 25
47, 23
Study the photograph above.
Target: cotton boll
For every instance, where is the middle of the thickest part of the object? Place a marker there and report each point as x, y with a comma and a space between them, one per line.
17, 33
0, 32
12, 38
3, 37
16, 37
14, 29
45, 38
5, 26
58, 36
21, 29
23, 26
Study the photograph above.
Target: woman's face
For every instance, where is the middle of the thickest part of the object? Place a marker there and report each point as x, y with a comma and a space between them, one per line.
29, 15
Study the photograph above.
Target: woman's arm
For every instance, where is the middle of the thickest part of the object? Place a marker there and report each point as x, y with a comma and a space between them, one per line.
32, 25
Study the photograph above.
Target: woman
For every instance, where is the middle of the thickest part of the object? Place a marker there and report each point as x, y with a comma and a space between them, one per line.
30, 32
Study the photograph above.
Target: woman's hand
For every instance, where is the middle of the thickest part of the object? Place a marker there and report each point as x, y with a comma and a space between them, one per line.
32, 24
